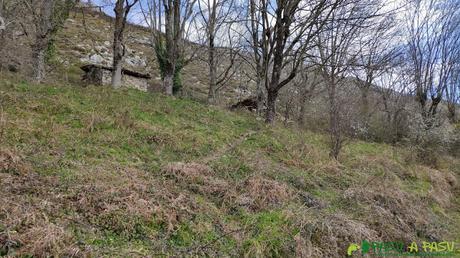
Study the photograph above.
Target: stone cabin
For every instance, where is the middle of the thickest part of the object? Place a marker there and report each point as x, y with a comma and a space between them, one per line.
102, 75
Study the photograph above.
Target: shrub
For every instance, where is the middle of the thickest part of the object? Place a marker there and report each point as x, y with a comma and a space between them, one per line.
455, 146
430, 138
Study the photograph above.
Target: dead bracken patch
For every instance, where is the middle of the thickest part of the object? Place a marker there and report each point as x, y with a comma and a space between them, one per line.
331, 236
27, 203
11, 162
395, 214
332, 167
32, 221
47, 239
261, 193
197, 177
443, 184
182, 170
125, 200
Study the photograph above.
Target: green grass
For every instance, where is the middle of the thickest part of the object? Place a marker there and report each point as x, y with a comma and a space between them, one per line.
270, 235
99, 157
89, 123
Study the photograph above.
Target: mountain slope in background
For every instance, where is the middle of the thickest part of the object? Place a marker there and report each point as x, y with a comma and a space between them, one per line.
87, 38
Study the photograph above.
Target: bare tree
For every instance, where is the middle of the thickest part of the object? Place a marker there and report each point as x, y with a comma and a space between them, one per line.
394, 91
217, 17
453, 93
432, 37
296, 96
170, 21
450, 58
282, 35
43, 29
122, 8
308, 88
338, 49
259, 62
47, 17
378, 50
288, 102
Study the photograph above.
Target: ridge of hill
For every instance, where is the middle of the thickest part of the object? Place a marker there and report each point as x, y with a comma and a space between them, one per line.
121, 173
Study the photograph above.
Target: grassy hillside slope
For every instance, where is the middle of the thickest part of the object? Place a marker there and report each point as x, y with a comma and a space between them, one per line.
96, 172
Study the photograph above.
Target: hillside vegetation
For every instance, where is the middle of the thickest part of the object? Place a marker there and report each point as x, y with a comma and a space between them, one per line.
87, 37
98, 172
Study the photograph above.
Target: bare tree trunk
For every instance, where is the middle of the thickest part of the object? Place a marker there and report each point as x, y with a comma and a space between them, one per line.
210, 20
303, 105
260, 95
168, 79
365, 105
301, 118
386, 108
434, 106
212, 70
421, 99
168, 82
287, 111
259, 59
271, 107
451, 114
122, 8
39, 52
42, 38
273, 42
169, 21
273, 86
307, 88
118, 51
172, 36
334, 122
116, 73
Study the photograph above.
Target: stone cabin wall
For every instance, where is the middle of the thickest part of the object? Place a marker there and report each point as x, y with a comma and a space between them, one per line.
127, 80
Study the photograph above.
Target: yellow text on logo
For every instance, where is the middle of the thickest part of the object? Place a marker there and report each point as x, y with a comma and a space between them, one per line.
438, 246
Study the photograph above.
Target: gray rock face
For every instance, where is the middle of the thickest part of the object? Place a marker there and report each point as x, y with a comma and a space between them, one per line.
143, 40
101, 49
2, 23
243, 91
136, 61
101, 54
18, 33
96, 59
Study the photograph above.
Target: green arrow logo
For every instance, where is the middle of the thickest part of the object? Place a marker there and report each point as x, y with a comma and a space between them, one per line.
352, 248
